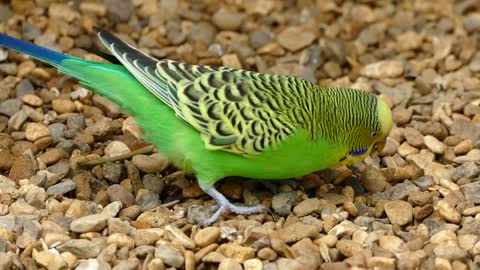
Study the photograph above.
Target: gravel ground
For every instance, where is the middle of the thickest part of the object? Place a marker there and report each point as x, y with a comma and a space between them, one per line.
415, 206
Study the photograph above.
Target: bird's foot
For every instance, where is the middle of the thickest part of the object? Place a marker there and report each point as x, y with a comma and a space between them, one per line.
223, 204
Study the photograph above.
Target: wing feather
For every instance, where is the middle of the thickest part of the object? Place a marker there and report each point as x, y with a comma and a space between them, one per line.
234, 110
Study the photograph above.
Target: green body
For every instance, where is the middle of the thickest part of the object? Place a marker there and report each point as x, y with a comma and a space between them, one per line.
182, 144
218, 122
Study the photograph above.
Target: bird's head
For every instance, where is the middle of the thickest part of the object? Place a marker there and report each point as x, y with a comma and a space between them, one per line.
368, 135
385, 119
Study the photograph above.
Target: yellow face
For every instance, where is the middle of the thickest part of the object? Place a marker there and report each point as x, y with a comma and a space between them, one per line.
375, 140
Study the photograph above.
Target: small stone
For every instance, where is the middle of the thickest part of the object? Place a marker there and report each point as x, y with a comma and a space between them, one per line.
283, 202
236, 252
228, 20
10, 106
383, 69
6, 159
129, 126
463, 147
406, 150
465, 129
471, 191
399, 212
91, 223
110, 108
231, 60
49, 259
402, 115
348, 248
295, 38
372, 179
112, 171
22, 168
450, 253
32, 100
267, 254
434, 145
392, 243
230, 264
61, 188
178, 236
121, 240
308, 206
63, 105
424, 182
448, 212
253, 264
119, 193
153, 183
52, 156
81, 248
169, 255
147, 200
419, 198
206, 236
36, 131
154, 163
297, 231
116, 148
377, 262
442, 264
472, 156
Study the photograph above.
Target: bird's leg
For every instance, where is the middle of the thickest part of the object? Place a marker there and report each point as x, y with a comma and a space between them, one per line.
224, 204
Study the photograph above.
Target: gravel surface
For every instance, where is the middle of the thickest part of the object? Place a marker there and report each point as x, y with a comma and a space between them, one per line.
415, 206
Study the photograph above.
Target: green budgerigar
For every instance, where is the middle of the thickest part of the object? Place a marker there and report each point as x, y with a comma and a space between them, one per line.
217, 121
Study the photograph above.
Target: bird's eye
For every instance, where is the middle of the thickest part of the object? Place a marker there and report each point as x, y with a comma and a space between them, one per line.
373, 134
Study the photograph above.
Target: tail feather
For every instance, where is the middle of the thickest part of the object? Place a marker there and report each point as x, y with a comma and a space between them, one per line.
52, 57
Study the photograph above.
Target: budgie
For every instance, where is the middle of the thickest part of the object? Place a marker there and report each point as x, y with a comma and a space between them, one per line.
216, 121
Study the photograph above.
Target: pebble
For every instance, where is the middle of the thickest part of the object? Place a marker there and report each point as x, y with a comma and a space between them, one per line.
399, 212
10, 106
35, 131
22, 168
236, 252
147, 200
392, 243
253, 264
32, 100
267, 254
295, 38
434, 145
49, 259
308, 206
283, 202
372, 179
6, 159
154, 163
463, 147
348, 248
383, 69
61, 188
206, 236
112, 171
230, 264
52, 156
110, 108
471, 191
178, 236
116, 148
448, 212
169, 255
119, 193
472, 156
63, 106
228, 20
153, 183
81, 248
297, 231
129, 126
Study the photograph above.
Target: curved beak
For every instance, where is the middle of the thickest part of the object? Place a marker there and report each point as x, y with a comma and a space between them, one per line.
378, 147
